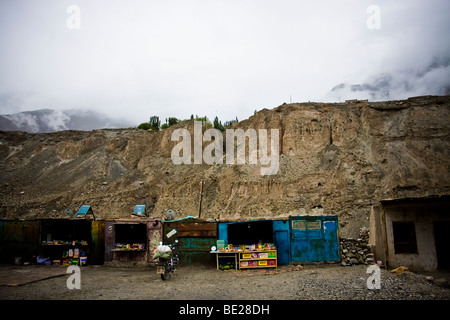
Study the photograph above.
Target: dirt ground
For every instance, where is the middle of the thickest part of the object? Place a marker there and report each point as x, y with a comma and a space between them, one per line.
308, 282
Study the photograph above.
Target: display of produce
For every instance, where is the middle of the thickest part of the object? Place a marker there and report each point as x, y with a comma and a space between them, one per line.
261, 255
244, 247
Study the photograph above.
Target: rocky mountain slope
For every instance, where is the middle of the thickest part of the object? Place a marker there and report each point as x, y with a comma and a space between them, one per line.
335, 159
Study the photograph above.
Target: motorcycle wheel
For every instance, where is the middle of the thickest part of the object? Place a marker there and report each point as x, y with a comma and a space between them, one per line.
165, 275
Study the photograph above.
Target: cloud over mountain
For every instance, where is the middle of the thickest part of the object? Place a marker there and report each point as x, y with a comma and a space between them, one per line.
48, 120
433, 79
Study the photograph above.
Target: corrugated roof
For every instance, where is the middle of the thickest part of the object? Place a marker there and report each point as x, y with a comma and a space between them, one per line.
84, 209
427, 200
139, 210
183, 219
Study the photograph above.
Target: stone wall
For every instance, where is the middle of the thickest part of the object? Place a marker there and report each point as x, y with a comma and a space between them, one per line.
356, 251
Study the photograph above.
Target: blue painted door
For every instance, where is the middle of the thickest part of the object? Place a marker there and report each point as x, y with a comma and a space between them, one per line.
314, 239
331, 241
306, 240
281, 240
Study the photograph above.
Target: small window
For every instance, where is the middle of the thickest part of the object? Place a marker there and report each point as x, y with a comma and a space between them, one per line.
298, 224
310, 225
404, 237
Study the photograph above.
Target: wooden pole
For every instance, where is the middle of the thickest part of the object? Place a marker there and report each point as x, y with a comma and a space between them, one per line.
201, 199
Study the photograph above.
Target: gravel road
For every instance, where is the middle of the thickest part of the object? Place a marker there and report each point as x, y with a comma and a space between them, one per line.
310, 282
204, 292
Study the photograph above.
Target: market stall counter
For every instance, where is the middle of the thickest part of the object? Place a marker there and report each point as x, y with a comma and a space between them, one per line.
226, 255
245, 256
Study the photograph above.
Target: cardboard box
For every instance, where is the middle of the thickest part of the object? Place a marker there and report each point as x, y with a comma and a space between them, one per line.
220, 244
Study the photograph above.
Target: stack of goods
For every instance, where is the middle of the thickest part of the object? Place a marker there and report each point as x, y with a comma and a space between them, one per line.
258, 259
243, 247
128, 246
68, 252
65, 243
74, 257
259, 255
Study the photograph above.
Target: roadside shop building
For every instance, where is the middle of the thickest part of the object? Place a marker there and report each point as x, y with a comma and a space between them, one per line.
413, 232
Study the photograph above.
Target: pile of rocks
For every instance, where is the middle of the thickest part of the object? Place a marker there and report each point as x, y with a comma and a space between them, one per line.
356, 251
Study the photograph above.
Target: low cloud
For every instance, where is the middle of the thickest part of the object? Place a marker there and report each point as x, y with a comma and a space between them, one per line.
47, 120
434, 79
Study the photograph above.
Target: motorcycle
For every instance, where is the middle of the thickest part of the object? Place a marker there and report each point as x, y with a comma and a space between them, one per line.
168, 259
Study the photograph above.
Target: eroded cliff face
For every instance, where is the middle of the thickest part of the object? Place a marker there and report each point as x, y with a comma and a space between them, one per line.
338, 158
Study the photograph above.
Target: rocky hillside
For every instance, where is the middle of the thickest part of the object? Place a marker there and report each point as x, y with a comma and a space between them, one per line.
337, 158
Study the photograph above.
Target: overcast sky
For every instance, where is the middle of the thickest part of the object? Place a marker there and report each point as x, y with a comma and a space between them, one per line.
134, 59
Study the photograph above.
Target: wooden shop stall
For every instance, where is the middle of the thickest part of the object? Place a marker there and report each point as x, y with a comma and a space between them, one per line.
132, 240
54, 241
19, 241
195, 236
71, 241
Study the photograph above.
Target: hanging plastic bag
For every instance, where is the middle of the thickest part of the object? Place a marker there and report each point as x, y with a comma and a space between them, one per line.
163, 248
43, 260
